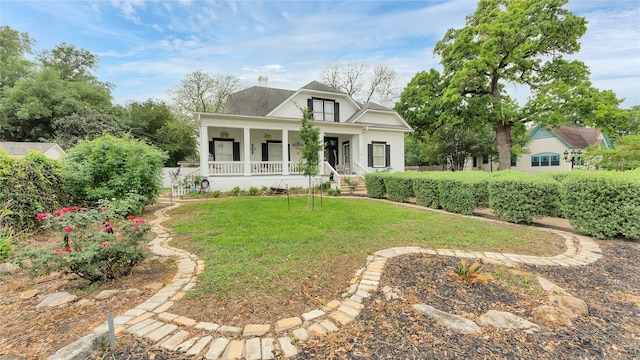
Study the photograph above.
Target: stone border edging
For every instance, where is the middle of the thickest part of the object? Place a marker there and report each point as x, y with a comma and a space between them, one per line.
150, 319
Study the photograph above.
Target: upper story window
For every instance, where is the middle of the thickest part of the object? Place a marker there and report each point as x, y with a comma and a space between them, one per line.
324, 109
547, 159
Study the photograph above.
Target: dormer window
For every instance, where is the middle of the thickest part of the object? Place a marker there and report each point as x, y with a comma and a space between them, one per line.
324, 109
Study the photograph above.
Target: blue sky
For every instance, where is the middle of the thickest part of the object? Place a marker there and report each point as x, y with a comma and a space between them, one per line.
147, 46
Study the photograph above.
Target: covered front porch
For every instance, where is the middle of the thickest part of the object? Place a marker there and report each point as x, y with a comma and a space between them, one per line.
245, 151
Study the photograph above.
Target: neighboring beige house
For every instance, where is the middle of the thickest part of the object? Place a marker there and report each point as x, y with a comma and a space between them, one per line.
19, 150
551, 149
255, 143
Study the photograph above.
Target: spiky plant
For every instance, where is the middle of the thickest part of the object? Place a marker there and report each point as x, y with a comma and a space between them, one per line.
470, 274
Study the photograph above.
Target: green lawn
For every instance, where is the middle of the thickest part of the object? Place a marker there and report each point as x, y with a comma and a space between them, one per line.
257, 244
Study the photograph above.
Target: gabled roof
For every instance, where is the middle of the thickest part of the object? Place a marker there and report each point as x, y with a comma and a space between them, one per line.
24, 148
318, 86
576, 137
364, 108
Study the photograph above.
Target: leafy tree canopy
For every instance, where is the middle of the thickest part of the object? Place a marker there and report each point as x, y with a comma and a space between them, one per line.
14, 45
522, 42
154, 122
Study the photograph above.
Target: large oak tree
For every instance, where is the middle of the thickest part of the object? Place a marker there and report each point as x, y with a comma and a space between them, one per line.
522, 42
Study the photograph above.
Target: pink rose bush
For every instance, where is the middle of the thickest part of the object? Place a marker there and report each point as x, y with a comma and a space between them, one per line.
92, 248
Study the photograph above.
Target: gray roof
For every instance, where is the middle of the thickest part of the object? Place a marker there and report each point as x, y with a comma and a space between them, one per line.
256, 100
24, 148
261, 100
318, 86
368, 106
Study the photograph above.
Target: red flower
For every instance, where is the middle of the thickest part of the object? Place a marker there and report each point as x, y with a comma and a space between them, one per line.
58, 251
57, 212
42, 216
130, 217
149, 249
104, 208
67, 228
67, 249
139, 220
105, 244
108, 228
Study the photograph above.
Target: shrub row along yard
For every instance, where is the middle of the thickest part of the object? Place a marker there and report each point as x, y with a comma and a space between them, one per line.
603, 204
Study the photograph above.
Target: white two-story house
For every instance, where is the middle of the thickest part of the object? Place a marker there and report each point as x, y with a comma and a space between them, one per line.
255, 142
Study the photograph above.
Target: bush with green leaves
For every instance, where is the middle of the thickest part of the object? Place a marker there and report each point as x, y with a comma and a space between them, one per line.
6, 233
425, 187
463, 192
603, 204
253, 191
374, 182
236, 191
93, 245
520, 197
399, 186
109, 167
32, 184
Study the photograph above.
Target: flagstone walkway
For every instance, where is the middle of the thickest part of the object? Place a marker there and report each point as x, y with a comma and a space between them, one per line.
153, 320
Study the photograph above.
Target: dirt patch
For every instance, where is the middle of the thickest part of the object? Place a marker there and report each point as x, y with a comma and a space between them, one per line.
31, 333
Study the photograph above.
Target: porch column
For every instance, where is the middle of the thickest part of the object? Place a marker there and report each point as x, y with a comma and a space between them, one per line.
285, 152
246, 142
204, 149
362, 156
321, 153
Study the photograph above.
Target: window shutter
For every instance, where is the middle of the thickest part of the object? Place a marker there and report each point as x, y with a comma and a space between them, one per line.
236, 151
387, 155
370, 155
211, 147
289, 151
310, 104
336, 112
265, 152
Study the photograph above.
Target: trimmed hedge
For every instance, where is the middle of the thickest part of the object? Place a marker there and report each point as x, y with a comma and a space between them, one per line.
374, 182
519, 197
399, 186
425, 187
603, 204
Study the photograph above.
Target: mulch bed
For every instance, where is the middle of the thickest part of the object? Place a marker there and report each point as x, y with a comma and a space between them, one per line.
393, 330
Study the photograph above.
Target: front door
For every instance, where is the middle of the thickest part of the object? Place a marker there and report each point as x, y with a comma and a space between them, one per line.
331, 151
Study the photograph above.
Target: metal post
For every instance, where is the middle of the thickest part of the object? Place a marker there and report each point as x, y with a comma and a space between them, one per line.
112, 332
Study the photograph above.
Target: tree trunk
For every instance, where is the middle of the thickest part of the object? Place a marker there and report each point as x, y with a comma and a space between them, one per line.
503, 145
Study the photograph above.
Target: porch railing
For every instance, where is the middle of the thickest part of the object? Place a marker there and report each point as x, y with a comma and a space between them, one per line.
328, 169
226, 168
257, 168
359, 169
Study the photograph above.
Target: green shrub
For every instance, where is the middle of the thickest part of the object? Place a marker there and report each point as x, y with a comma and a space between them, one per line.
31, 184
520, 197
236, 191
399, 186
425, 187
603, 204
333, 192
253, 191
458, 192
216, 193
456, 195
91, 248
374, 182
110, 167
